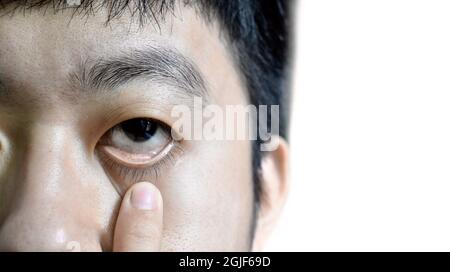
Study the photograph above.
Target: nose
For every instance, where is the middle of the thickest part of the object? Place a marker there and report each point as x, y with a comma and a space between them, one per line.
53, 197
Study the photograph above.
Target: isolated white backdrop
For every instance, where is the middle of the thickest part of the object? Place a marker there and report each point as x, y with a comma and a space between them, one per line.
370, 136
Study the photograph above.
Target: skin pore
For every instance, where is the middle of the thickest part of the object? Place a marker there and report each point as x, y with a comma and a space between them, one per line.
63, 172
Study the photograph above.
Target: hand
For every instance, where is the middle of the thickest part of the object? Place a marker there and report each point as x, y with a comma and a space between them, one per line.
140, 219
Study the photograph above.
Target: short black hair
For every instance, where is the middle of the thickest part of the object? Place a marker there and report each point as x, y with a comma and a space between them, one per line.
258, 32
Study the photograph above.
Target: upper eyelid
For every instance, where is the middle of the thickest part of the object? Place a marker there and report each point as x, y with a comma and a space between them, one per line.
102, 125
162, 123
142, 110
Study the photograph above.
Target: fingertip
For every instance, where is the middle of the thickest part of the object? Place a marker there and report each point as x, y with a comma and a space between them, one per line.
145, 196
140, 219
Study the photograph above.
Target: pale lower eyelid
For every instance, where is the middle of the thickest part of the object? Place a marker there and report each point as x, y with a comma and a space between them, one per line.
135, 160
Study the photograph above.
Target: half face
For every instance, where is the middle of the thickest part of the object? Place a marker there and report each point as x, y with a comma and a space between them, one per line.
85, 112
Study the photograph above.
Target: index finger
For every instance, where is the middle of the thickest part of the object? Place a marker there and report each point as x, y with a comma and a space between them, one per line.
139, 223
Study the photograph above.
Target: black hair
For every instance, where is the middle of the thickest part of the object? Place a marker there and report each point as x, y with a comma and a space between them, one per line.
258, 34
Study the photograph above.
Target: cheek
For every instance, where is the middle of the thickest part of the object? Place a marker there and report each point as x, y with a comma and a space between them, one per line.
208, 198
51, 194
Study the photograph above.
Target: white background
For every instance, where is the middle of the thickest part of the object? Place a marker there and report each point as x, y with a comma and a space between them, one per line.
370, 136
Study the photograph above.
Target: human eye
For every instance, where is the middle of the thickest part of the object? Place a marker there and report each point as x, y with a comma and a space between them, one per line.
137, 148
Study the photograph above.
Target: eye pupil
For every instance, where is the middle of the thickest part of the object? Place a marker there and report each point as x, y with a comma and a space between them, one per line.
139, 130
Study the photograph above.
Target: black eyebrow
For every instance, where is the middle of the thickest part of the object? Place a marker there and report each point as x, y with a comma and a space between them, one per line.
161, 65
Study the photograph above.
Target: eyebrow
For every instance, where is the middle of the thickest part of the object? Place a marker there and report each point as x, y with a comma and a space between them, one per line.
164, 66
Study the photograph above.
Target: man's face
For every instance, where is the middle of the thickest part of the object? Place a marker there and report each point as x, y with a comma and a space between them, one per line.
64, 168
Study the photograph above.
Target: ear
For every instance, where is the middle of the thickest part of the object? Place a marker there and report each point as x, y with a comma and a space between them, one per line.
275, 187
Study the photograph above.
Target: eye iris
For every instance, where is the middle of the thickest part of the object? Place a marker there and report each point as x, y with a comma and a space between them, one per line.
139, 130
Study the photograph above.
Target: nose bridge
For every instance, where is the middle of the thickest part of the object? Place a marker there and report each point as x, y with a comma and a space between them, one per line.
43, 158
49, 195
47, 170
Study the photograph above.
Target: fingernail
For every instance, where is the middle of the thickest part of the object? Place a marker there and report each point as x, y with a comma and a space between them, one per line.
142, 197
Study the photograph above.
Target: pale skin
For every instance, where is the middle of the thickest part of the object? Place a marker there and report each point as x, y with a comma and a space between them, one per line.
55, 188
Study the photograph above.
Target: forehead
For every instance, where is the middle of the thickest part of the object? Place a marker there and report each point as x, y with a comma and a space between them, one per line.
38, 51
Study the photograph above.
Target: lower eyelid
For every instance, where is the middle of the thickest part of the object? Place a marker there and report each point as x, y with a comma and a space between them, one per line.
124, 176
133, 159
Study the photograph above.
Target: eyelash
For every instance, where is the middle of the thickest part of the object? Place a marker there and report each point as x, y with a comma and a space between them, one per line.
133, 175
